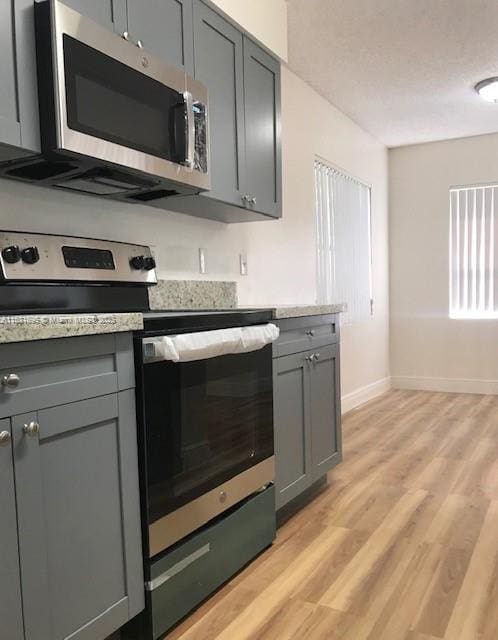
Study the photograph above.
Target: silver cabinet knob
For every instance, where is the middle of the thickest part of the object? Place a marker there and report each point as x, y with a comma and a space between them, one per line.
317, 356
245, 199
5, 438
126, 35
310, 358
140, 44
12, 381
32, 429
310, 333
252, 200
223, 497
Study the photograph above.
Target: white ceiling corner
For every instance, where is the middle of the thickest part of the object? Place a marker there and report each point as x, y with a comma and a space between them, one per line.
404, 70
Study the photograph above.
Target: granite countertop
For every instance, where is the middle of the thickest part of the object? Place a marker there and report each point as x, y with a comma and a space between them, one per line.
43, 327
303, 310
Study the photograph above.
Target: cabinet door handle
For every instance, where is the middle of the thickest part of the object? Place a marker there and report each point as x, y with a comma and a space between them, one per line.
310, 333
310, 358
5, 438
252, 201
32, 429
316, 356
12, 380
140, 44
126, 36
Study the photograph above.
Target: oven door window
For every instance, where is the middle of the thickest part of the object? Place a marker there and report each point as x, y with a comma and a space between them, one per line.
206, 421
111, 101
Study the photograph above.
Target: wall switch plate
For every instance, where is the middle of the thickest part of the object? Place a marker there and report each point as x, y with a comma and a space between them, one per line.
243, 264
202, 260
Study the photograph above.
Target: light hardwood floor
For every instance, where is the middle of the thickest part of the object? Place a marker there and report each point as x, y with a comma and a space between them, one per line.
402, 544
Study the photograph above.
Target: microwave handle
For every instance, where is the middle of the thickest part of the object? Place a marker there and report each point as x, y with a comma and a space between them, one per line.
190, 130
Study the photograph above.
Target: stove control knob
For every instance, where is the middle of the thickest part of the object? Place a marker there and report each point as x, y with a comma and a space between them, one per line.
137, 262
30, 255
149, 263
11, 254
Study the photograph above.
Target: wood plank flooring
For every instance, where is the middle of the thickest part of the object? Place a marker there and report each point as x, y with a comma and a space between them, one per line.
401, 545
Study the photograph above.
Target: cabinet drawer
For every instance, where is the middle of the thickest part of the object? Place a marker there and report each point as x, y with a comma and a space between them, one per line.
55, 372
302, 334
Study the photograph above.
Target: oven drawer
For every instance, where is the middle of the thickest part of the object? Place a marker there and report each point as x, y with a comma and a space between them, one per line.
49, 373
302, 334
185, 576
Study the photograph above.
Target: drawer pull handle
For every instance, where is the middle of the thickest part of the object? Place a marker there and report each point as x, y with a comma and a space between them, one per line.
310, 333
32, 429
12, 381
5, 438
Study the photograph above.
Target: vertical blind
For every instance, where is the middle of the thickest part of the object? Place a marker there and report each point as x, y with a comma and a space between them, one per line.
343, 242
473, 252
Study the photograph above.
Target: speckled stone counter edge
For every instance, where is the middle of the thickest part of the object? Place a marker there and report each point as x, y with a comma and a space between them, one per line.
44, 327
279, 313
173, 295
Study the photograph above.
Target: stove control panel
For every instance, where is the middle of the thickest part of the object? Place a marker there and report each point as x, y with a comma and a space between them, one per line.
31, 257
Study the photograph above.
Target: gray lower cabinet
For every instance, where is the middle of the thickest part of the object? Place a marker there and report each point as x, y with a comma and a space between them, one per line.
76, 490
292, 416
307, 411
10, 584
164, 27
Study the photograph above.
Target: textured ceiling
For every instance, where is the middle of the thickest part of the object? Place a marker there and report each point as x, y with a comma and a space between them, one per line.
402, 69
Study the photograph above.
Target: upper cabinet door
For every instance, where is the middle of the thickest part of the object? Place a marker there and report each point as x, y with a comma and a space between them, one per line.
164, 27
262, 116
10, 589
111, 14
10, 126
218, 54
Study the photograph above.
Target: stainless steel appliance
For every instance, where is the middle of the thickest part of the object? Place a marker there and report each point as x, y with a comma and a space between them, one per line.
115, 121
65, 274
207, 424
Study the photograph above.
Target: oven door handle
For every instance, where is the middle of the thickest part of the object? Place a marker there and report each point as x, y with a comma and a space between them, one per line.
202, 345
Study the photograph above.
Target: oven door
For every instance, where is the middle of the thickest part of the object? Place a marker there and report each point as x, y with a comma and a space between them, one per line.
209, 439
113, 102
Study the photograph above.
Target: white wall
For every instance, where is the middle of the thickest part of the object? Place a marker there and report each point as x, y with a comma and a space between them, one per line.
428, 350
281, 254
265, 20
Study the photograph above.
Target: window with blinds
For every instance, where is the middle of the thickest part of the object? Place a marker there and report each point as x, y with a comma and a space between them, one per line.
344, 255
473, 252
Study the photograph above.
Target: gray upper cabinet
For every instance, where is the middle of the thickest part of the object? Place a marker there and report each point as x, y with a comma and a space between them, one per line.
10, 127
111, 14
10, 586
219, 65
307, 404
325, 410
164, 27
262, 121
75, 539
19, 124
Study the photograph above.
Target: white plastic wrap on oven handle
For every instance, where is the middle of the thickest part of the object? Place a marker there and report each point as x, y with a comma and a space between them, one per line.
187, 347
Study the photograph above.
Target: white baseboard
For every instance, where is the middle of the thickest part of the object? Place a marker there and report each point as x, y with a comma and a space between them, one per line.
364, 394
450, 385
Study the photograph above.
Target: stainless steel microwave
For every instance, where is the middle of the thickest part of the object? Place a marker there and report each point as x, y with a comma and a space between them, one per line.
114, 120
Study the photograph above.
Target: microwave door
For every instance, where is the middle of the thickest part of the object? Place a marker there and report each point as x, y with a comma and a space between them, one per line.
111, 101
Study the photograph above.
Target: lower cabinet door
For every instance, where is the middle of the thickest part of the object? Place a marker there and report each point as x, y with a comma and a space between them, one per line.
78, 516
11, 626
326, 447
292, 416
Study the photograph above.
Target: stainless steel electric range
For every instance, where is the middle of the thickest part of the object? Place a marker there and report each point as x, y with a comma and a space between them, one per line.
204, 413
